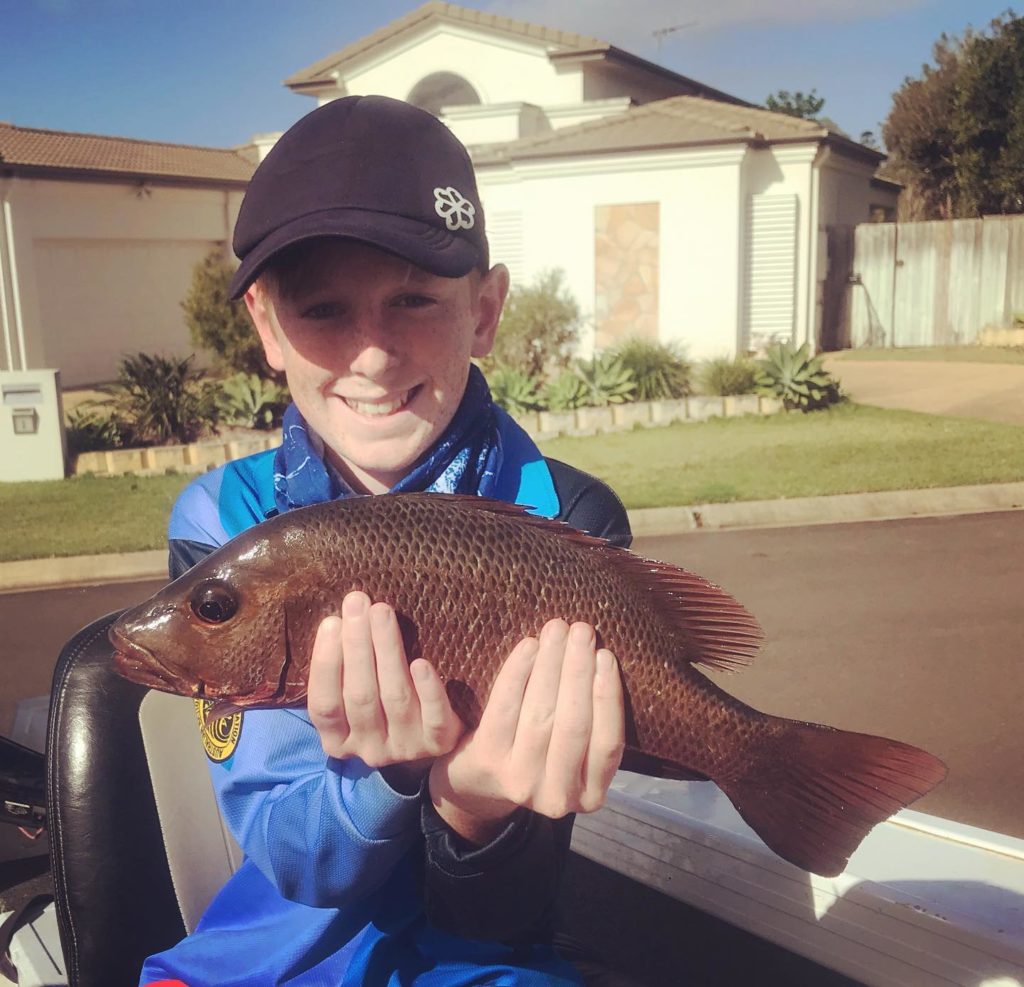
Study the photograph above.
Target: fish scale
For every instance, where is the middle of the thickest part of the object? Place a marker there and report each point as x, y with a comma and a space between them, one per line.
469, 578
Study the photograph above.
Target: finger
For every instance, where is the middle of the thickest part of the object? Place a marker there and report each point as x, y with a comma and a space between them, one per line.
571, 729
541, 696
398, 696
441, 727
324, 695
359, 669
500, 717
608, 734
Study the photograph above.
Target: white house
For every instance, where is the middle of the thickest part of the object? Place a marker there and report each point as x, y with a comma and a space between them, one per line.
676, 211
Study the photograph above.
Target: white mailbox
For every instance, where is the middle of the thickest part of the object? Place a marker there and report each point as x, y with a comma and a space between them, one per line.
32, 441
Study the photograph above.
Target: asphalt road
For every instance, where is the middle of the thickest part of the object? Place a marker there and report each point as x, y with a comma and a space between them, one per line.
913, 629
35, 625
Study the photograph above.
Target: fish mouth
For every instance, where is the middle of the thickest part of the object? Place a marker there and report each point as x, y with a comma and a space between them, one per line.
140, 665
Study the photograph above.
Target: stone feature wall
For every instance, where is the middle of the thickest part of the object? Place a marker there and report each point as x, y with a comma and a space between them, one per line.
626, 258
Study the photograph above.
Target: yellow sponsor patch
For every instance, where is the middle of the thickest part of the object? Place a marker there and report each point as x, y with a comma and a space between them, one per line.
220, 737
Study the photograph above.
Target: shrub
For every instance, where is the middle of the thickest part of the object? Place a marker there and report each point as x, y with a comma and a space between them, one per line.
513, 390
606, 380
219, 325
91, 428
659, 369
726, 376
538, 327
250, 401
566, 392
161, 399
797, 378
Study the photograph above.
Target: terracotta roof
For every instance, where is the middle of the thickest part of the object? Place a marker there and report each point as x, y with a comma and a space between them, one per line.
553, 39
59, 150
673, 122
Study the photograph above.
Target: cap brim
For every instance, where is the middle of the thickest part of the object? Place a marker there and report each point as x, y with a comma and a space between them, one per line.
426, 246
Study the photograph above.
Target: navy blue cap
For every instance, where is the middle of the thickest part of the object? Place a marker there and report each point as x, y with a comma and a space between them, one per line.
365, 168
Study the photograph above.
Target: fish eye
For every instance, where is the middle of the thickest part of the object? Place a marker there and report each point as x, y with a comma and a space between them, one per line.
214, 603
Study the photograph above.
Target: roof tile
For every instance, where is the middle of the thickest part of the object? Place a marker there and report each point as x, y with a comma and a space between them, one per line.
673, 122
64, 150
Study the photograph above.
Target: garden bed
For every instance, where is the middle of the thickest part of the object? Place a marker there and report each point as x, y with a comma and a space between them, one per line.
201, 456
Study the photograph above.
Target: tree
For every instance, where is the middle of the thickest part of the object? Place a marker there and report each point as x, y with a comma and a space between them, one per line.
988, 121
538, 327
218, 324
798, 104
955, 135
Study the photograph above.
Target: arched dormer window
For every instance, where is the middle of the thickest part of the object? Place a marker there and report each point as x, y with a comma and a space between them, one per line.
441, 89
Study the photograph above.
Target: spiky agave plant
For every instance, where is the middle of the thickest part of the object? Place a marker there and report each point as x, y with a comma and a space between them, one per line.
251, 401
513, 390
566, 392
796, 377
607, 381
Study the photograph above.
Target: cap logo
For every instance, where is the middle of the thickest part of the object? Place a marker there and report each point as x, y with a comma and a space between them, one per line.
454, 208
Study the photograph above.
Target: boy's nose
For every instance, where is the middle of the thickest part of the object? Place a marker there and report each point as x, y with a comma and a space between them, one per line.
374, 350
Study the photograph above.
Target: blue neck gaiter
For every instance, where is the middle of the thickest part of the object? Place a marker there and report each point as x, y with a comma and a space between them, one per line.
465, 459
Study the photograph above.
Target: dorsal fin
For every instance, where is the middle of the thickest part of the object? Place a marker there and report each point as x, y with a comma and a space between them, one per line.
721, 632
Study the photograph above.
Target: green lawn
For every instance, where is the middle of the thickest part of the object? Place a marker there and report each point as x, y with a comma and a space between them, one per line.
847, 449
86, 515
844, 450
942, 354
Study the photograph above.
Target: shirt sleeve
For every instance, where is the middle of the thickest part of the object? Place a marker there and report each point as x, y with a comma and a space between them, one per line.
323, 831
506, 890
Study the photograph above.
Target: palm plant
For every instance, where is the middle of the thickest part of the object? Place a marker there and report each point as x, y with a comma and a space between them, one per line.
660, 370
161, 399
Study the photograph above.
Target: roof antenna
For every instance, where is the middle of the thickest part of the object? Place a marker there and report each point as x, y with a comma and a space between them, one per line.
662, 32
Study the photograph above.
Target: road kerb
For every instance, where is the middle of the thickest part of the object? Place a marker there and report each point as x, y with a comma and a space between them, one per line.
835, 509
645, 522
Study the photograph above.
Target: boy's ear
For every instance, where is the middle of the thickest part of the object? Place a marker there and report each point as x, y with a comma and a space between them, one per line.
491, 293
262, 314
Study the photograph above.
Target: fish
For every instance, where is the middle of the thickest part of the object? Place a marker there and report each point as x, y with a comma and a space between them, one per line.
469, 578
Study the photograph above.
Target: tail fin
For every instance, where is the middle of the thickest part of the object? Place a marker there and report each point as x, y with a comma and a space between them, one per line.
816, 792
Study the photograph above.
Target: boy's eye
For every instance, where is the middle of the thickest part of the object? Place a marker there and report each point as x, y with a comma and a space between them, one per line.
321, 310
413, 301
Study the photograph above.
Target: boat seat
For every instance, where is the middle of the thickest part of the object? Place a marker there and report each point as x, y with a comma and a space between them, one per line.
134, 866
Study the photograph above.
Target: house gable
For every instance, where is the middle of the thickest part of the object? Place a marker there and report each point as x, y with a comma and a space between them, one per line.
500, 69
520, 79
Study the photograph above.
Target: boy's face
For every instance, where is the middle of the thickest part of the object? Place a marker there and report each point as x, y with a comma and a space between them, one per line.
376, 351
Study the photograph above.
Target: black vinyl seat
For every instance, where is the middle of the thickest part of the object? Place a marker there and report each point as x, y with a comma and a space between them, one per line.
115, 897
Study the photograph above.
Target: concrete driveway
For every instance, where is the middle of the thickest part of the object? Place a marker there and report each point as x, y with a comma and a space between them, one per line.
991, 391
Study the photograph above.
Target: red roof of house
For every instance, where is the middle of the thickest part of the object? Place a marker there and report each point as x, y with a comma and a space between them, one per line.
32, 149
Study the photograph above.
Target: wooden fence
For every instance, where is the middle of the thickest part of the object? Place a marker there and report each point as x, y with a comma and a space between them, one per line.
922, 284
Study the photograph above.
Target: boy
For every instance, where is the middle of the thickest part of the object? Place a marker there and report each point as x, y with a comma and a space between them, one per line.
384, 844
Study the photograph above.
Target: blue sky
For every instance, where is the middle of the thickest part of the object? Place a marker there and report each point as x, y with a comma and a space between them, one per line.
209, 71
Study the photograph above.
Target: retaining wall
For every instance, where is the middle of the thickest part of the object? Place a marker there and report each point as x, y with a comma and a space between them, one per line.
201, 456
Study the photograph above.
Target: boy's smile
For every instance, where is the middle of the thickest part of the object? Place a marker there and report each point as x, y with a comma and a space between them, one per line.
376, 350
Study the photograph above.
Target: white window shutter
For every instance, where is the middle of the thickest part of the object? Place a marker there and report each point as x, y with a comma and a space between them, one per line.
771, 258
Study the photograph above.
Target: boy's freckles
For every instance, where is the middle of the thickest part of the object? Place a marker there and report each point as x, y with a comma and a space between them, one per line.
377, 353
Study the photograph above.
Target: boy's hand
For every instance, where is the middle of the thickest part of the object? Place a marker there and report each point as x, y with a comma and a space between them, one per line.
367, 701
550, 738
